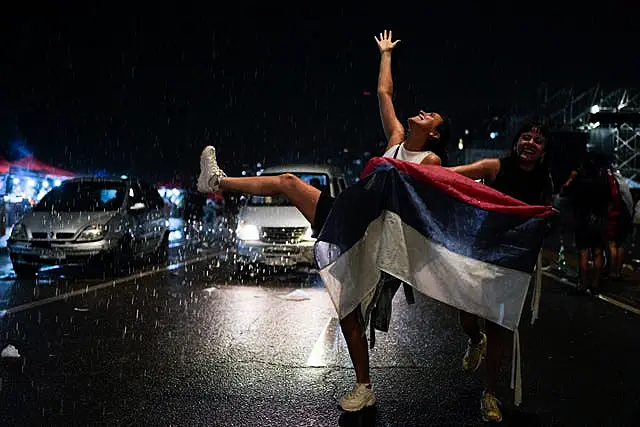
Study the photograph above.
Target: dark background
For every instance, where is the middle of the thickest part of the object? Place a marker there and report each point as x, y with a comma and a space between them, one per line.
143, 91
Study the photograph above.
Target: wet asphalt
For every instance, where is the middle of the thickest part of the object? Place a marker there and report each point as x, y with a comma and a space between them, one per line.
196, 345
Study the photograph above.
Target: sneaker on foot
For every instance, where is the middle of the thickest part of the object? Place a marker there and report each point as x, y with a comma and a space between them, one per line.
360, 397
210, 172
489, 408
475, 352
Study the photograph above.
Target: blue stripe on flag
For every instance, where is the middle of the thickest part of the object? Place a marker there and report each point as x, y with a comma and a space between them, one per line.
505, 240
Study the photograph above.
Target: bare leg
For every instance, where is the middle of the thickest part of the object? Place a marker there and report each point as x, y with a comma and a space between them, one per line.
597, 264
613, 260
583, 267
495, 353
303, 196
470, 325
620, 259
357, 346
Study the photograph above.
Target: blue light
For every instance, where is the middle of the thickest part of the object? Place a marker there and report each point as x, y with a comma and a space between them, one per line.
493, 135
123, 177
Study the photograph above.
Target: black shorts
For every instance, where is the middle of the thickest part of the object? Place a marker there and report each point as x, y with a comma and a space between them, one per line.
324, 206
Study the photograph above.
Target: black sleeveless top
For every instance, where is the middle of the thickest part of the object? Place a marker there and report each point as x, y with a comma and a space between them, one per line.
532, 187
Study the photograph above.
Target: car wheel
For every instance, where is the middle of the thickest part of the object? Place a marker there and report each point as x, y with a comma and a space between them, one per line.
25, 271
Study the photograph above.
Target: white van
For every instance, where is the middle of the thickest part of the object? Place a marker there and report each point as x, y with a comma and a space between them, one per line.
271, 231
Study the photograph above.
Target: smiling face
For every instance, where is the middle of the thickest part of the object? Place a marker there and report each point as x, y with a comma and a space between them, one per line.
425, 123
531, 145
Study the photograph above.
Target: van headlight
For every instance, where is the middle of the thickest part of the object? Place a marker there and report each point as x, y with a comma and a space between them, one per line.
19, 232
247, 232
93, 233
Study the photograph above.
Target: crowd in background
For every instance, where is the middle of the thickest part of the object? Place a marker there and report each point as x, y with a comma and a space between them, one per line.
603, 213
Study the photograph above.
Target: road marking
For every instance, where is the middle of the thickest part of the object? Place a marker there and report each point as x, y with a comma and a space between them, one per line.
558, 278
620, 304
604, 298
110, 283
326, 343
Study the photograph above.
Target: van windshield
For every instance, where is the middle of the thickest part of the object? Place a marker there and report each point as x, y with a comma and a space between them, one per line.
318, 180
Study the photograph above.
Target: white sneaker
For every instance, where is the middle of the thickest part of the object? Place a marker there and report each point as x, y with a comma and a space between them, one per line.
360, 397
474, 354
210, 172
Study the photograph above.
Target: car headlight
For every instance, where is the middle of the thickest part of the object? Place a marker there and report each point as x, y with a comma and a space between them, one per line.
19, 232
307, 235
93, 233
247, 232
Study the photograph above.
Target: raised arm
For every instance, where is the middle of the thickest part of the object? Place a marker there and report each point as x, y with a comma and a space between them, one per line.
482, 169
393, 129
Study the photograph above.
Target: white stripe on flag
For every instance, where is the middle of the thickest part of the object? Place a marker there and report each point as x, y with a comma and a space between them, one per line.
492, 292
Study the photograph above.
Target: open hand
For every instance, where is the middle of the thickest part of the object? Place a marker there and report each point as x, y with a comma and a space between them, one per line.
384, 43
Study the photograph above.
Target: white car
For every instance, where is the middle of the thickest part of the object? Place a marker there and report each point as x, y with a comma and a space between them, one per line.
88, 219
271, 231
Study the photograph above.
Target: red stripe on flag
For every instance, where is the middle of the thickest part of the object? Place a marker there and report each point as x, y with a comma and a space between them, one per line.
462, 188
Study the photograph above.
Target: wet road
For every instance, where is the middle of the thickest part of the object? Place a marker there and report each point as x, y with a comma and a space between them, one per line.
191, 345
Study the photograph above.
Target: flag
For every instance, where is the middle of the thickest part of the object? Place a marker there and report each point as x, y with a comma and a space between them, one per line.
451, 238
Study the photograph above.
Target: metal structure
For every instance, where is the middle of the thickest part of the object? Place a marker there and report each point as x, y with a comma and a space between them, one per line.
612, 119
627, 149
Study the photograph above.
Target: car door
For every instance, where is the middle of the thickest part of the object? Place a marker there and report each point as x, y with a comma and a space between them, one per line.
137, 208
155, 217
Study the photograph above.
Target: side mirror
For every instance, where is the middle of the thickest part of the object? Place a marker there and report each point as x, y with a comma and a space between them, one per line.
138, 206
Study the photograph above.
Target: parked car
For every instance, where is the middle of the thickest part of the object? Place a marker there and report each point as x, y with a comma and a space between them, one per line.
91, 219
271, 231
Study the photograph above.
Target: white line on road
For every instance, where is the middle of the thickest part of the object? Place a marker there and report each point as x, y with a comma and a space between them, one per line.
557, 278
324, 344
620, 304
604, 298
110, 283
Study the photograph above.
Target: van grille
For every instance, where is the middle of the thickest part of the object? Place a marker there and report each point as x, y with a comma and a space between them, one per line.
282, 235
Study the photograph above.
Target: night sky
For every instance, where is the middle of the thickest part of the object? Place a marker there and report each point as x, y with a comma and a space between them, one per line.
144, 94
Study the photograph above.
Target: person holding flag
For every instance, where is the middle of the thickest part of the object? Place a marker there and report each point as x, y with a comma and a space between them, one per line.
391, 225
523, 175
424, 224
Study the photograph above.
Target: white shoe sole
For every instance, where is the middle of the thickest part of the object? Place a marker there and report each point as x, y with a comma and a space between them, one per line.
367, 404
203, 178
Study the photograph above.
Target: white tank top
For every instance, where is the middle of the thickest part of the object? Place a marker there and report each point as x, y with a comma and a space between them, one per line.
399, 152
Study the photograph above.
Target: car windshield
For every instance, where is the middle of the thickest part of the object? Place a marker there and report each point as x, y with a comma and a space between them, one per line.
83, 196
318, 180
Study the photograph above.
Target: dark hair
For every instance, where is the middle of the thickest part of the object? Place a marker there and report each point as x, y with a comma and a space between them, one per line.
544, 130
439, 146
